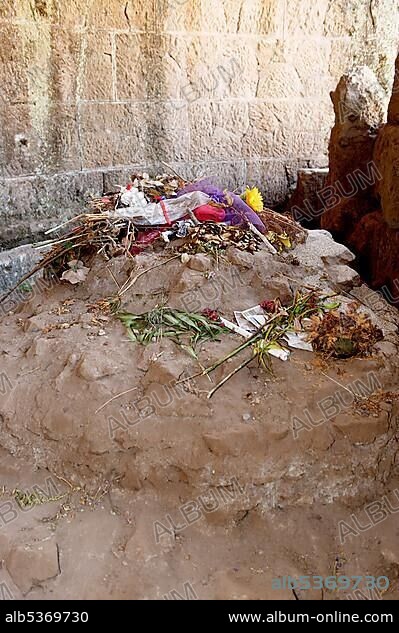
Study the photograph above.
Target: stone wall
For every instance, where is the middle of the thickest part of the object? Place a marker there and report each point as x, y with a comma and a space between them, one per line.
239, 89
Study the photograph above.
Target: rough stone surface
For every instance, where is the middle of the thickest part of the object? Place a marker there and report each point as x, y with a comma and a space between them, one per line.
393, 109
368, 219
15, 263
343, 277
320, 248
33, 563
306, 204
386, 157
226, 88
359, 102
199, 262
377, 247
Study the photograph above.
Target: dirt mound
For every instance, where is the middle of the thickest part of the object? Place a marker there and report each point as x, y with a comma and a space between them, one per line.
265, 450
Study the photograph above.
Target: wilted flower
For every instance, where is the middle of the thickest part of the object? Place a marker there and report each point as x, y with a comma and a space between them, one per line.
268, 306
210, 314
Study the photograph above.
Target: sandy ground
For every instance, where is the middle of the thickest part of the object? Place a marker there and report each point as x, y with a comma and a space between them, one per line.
165, 494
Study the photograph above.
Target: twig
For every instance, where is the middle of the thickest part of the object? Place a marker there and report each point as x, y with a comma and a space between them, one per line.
262, 237
233, 353
114, 398
72, 487
113, 277
132, 280
28, 372
55, 228
230, 375
339, 384
279, 217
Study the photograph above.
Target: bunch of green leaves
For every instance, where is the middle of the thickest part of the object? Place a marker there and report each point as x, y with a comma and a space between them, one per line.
185, 328
271, 335
307, 305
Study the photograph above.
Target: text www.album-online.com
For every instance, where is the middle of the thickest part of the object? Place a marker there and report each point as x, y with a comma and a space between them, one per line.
295, 618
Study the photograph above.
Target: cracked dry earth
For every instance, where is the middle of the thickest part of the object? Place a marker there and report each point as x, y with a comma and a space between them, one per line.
164, 493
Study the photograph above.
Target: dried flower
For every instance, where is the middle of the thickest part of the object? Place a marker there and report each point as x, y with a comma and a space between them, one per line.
268, 306
212, 315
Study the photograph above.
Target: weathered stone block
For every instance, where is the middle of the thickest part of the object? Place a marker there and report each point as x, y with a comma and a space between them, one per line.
70, 13
62, 149
150, 66
49, 147
65, 48
305, 203
346, 17
112, 134
305, 60
10, 9
279, 81
178, 15
343, 277
341, 58
267, 123
386, 157
284, 129
121, 14
262, 16
29, 206
217, 129
106, 14
167, 132
7, 10
13, 265
116, 134
271, 19
220, 68
21, 144
271, 177
13, 67
320, 249
306, 17
393, 110
359, 112
132, 61
97, 73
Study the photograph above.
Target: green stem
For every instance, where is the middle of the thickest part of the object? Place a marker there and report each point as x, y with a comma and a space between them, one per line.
230, 375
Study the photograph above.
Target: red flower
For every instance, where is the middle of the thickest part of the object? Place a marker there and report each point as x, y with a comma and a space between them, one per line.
268, 306
210, 314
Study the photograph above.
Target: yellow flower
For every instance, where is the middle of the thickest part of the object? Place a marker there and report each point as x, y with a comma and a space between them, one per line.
253, 198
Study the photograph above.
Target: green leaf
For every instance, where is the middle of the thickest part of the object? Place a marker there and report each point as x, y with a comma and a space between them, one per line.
131, 335
188, 321
169, 318
189, 350
331, 306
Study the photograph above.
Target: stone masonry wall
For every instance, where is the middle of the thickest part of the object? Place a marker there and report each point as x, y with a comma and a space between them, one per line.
93, 89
